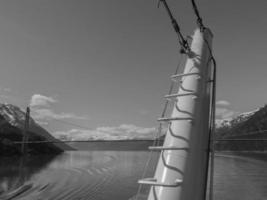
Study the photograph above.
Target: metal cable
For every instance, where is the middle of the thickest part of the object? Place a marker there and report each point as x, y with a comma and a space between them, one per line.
155, 139
211, 134
62, 141
183, 42
199, 19
73, 124
212, 124
68, 123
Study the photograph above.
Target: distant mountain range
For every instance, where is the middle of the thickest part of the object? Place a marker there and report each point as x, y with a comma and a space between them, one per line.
12, 120
249, 125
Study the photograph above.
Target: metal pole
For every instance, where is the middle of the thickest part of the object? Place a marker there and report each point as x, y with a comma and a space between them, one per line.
25, 132
212, 134
184, 154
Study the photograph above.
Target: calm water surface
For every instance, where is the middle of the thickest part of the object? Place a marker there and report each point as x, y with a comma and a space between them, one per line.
107, 175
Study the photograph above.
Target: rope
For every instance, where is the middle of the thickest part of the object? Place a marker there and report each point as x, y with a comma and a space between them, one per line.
199, 19
183, 42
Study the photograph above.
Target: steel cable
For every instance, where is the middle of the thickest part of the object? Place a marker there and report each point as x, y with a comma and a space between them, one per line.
183, 42
199, 19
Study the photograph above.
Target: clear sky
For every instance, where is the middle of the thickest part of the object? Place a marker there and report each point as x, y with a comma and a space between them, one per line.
105, 64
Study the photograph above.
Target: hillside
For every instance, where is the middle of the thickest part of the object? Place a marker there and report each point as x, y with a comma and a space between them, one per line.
250, 125
11, 129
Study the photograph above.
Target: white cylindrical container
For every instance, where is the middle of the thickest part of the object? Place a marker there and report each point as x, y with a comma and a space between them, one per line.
189, 163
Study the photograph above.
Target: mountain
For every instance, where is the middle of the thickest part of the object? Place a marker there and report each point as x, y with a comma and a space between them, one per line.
238, 119
12, 120
249, 125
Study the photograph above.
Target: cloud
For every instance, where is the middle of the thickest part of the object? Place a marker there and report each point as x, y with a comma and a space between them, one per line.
48, 114
41, 107
224, 113
127, 128
5, 94
7, 89
41, 100
124, 131
223, 103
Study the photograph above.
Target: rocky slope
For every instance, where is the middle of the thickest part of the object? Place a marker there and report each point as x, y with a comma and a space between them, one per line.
11, 129
230, 122
250, 125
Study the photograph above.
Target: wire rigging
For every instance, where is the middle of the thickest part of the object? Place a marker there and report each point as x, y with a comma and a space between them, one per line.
183, 42
184, 49
68, 123
73, 124
211, 124
199, 19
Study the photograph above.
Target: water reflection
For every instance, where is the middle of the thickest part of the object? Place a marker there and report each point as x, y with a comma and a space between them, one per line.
240, 177
74, 175
16, 171
104, 175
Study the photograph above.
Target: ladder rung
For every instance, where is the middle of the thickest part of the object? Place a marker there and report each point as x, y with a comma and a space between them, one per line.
187, 74
166, 119
159, 148
181, 95
153, 181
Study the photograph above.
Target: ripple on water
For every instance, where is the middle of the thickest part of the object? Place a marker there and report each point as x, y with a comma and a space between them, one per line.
114, 175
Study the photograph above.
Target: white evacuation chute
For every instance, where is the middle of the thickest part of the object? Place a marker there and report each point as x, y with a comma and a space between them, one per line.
182, 165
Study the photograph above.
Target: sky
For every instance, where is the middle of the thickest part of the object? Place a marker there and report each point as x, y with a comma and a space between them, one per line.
105, 65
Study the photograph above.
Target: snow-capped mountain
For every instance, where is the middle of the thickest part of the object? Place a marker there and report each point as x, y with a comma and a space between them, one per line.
13, 116
244, 116
248, 125
238, 119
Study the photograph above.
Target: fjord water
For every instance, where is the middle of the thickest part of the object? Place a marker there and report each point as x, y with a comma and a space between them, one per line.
108, 175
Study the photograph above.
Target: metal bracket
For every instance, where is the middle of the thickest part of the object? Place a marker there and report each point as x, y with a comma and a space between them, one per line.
159, 148
153, 182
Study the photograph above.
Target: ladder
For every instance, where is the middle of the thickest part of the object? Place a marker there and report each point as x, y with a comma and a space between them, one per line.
177, 182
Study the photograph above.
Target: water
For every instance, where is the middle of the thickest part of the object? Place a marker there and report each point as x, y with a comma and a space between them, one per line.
240, 178
108, 175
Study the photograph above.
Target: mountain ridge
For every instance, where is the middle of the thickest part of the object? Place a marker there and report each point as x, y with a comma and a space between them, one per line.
246, 126
12, 120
